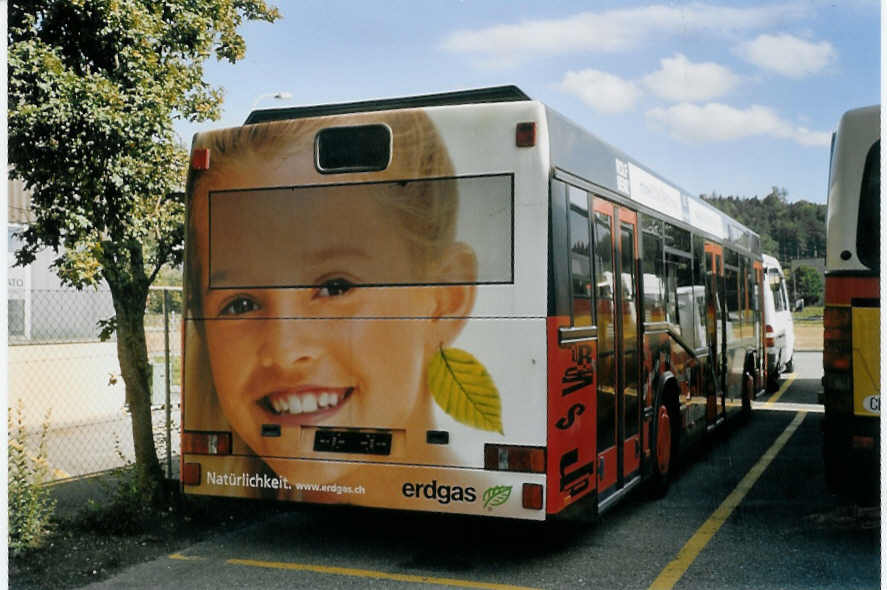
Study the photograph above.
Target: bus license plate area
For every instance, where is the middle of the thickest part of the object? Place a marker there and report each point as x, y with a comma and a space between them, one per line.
352, 441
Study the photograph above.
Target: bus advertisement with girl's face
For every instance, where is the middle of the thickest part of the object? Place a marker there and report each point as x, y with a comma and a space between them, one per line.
330, 335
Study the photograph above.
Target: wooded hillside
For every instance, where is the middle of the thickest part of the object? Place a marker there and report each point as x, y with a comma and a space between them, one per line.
787, 230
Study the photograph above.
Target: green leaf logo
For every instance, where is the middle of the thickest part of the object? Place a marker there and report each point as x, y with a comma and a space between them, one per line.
463, 389
496, 496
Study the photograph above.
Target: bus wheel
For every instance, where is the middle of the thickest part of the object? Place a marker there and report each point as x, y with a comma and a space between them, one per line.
663, 437
773, 380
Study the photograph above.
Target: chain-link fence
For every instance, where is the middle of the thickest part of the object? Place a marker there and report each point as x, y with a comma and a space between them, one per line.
66, 377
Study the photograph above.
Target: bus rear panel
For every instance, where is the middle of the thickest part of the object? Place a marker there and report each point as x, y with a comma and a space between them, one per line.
852, 351
366, 320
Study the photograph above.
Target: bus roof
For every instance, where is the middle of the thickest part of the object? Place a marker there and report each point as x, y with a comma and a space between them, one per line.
581, 153
771, 262
476, 96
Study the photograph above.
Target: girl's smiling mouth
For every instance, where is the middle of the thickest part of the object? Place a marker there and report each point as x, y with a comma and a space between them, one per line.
305, 401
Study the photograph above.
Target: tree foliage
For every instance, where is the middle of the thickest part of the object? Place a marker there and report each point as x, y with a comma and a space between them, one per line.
809, 284
787, 230
94, 88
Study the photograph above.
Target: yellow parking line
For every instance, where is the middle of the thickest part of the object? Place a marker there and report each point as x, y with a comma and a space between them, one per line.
687, 555
782, 389
342, 571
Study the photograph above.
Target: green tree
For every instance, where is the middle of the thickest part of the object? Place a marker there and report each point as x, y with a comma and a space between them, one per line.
94, 88
809, 284
787, 230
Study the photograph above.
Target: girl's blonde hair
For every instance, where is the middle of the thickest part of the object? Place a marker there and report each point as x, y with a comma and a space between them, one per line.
423, 199
426, 210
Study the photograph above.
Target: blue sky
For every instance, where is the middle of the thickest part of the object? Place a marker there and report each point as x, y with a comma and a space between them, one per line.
732, 97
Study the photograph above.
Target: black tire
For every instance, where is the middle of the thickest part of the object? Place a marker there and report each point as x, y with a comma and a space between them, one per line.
773, 380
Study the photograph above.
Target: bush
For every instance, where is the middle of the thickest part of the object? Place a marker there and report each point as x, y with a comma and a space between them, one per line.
30, 502
125, 508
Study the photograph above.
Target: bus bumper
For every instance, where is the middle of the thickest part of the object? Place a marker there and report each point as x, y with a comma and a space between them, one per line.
378, 485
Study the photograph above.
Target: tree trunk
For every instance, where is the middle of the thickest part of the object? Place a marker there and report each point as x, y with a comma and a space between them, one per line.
132, 353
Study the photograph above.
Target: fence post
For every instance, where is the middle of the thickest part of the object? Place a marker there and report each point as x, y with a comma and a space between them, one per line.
168, 391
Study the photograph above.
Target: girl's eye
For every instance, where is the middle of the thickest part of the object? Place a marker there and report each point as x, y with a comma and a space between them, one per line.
334, 288
240, 306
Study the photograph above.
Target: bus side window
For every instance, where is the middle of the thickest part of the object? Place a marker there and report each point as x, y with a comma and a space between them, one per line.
654, 278
732, 279
868, 235
606, 325
671, 290
776, 289
740, 279
751, 291
699, 283
679, 280
580, 258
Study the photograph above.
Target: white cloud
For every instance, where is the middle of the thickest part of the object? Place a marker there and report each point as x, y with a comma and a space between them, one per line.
787, 55
679, 79
718, 122
612, 30
601, 91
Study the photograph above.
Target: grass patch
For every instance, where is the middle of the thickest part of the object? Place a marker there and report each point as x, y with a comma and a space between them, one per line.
811, 313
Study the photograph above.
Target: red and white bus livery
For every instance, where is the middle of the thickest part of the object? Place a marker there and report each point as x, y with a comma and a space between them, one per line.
460, 302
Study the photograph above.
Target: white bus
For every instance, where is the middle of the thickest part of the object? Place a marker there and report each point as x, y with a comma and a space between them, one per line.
436, 303
779, 329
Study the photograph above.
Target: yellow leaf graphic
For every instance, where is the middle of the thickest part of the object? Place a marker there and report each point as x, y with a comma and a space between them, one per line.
463, 389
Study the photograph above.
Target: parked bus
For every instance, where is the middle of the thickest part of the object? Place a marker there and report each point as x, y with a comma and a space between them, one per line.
852, 351
779, 327
459, 302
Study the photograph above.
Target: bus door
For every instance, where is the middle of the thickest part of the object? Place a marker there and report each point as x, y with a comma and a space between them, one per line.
715, 324
618, 399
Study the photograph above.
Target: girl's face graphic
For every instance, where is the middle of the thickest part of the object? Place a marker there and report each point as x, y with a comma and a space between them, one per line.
332, 354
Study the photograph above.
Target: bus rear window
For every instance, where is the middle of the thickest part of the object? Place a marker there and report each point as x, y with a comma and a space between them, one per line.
779, 302
412, 232
868, 234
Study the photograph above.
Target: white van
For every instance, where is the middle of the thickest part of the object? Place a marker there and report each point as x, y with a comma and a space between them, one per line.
779, 330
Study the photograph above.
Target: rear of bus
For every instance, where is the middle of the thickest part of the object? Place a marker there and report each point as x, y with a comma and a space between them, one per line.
851, 358
366, 323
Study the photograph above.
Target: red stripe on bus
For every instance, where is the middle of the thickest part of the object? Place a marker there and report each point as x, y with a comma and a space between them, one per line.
572, 378
841, 290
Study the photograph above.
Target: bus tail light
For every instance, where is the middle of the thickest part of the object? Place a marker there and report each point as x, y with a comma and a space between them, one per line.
191, 474
206, 443
532, 496
200, 159
769, 339
525, 134
837, 349
514, 458
862, 442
